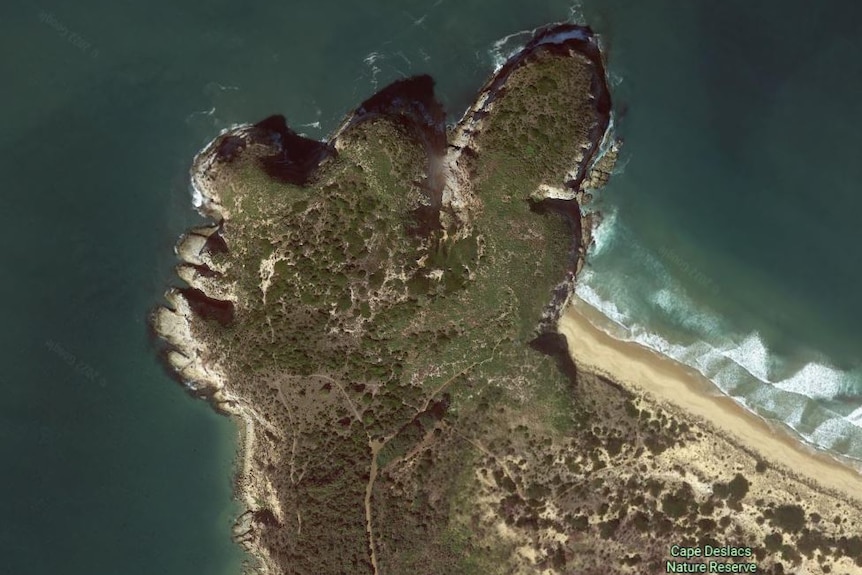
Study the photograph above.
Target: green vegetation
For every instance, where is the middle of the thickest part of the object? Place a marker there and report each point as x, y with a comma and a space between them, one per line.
789, 517
414, 410
364, 330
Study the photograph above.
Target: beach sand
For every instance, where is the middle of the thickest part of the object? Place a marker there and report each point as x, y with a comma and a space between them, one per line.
640, 369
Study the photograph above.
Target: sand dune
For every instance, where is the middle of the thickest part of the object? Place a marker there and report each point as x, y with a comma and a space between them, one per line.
641, 369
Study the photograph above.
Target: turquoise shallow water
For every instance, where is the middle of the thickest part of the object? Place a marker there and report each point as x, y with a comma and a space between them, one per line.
109, 467
736, 203
735, 206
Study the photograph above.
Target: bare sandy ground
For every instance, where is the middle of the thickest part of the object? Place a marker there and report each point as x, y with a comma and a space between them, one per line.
641, 369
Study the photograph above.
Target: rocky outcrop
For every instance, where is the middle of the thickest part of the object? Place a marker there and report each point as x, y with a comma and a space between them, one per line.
442, 218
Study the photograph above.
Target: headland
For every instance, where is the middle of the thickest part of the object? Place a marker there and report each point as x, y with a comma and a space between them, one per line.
381, 312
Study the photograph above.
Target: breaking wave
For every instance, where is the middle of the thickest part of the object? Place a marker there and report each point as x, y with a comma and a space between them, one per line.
818, 401
507, 46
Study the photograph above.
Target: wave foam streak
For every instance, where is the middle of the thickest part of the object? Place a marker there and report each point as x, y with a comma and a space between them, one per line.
814, 399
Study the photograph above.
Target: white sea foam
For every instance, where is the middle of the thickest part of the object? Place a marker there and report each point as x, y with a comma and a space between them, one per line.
751, 355
665, 300
576, 13
604, 233
507, 46
741, 366
221, 87
786, 400
794, 420
560, 37
817, 381
608, 143
502, 50
417, 21
830, 432
372, 57
371, 60
205, 157
197, 197
615, 79
584, 291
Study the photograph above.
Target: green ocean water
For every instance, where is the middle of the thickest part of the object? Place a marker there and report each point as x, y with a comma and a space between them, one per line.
734, 206
736, 203
109, 467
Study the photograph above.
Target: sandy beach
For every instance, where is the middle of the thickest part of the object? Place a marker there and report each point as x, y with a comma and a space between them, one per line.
641, 369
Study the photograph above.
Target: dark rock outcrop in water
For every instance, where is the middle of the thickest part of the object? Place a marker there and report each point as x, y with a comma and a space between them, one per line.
297, 156
378, 314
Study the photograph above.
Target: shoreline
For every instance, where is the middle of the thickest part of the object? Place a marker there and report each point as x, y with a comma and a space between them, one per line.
188, 354
726, 437
640, 369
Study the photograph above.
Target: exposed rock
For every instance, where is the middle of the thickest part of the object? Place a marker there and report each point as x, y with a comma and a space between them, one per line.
351, 291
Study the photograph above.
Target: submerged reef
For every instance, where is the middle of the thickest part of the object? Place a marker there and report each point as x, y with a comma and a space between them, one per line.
379, 310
